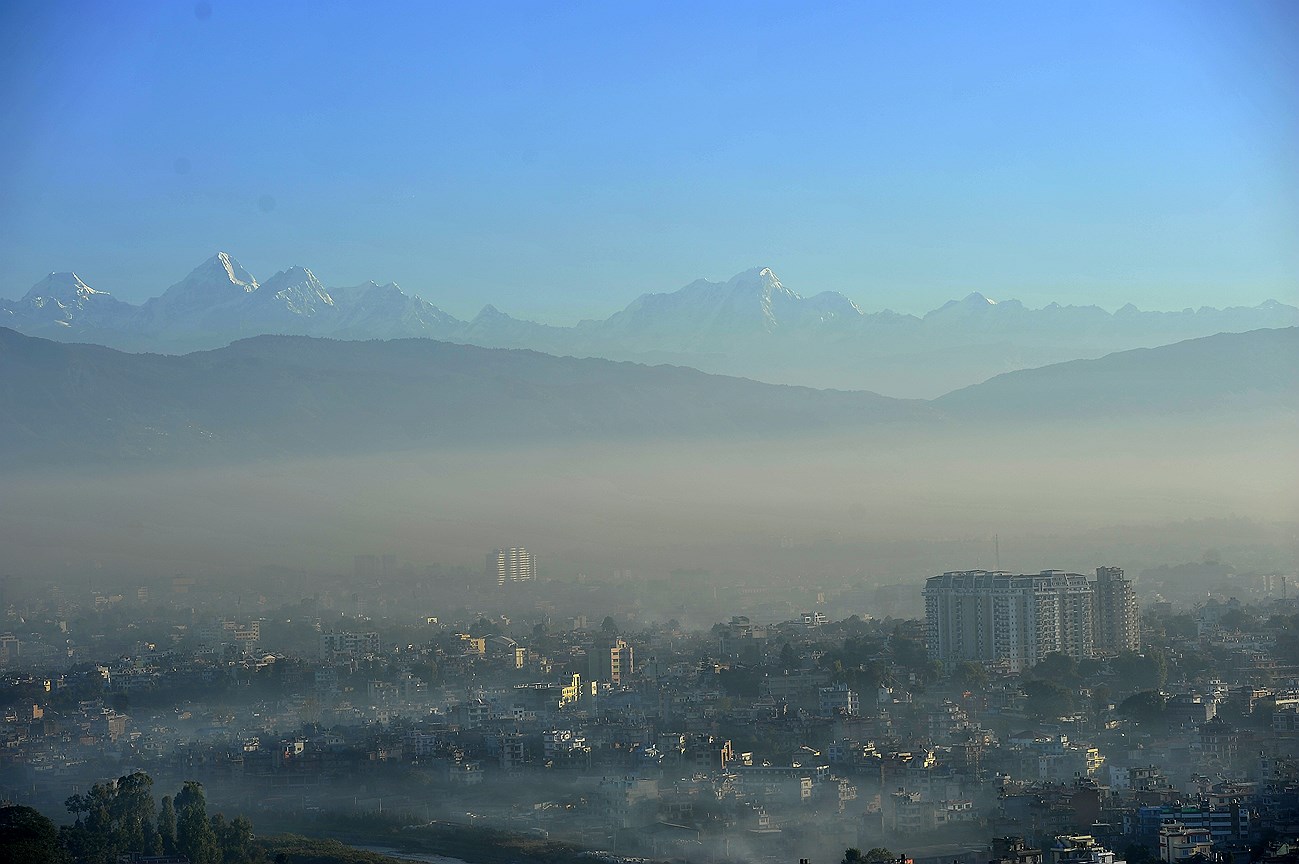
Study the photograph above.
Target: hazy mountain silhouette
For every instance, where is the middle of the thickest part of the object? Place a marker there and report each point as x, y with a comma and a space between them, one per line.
750, 326
1197, 377
276, 395
281, 395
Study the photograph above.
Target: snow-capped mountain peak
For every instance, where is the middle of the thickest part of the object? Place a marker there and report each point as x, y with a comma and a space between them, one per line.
66, 288
761, 281
220, 274
297, 290
971, 304
238, 275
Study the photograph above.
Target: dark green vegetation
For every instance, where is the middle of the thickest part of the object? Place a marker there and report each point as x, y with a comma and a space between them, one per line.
294, 849
113, 819
878, 855
29, 837
473, 843
119, 818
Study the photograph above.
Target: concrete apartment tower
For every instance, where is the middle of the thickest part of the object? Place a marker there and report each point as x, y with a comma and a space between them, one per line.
511, 565
1009, 620
1115, 612
1014, 621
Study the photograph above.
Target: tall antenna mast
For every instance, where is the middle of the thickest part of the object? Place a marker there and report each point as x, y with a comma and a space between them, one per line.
996, 543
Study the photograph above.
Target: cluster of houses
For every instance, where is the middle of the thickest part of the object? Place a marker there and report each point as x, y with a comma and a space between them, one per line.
750, 741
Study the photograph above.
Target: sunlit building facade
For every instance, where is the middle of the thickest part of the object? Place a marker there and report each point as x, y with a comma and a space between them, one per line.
511, 565
1008, 620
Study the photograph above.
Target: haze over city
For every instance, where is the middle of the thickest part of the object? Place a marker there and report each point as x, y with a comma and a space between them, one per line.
624, 433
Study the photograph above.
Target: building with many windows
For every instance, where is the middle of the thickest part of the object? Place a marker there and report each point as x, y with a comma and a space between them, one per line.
1115, 614
511, 565
611, 662
1014, 621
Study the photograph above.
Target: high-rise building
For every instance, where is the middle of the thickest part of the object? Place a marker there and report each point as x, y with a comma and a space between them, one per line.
511, 565
1015, 621
1115, 612
611, 661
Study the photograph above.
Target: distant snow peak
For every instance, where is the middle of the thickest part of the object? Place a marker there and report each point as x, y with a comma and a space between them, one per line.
72, 280
64, 288
761, 281
298, 291
971, 304
234, 272
755, 275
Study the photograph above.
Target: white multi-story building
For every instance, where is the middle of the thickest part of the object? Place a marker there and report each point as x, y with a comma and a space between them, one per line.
1178, 842
997, 617
348, 644
510, 565
838, 699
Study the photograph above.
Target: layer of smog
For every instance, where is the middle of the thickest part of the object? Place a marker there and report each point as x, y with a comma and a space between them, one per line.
410, 452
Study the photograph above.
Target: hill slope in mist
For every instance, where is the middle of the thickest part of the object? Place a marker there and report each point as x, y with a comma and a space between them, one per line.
302, 396
305, 452
1207, 376
285, 395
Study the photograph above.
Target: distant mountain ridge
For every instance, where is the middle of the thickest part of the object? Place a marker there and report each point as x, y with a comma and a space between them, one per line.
750, 326
293, 395
1206, 377
301, 396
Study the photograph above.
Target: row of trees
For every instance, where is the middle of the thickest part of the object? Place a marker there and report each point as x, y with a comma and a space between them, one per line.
120, 817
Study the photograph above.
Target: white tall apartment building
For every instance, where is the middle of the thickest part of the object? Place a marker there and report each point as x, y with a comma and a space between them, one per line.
1005, 619
511, 565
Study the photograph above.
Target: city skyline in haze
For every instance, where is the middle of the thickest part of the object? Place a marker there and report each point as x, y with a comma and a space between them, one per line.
558, 161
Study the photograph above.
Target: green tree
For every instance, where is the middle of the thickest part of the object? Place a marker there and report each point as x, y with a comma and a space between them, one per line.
1148, 671
1145, 708
1057, 667
426, 671
1047, 699
1101, 697
132, 813
1238, 619
970, 676
1181, 627
1286, 631
29, 837
236, 841
194, 836
90, 837
483, 627
1193, 664
167, 826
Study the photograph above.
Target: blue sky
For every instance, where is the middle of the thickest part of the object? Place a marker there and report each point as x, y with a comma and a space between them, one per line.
557, 159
